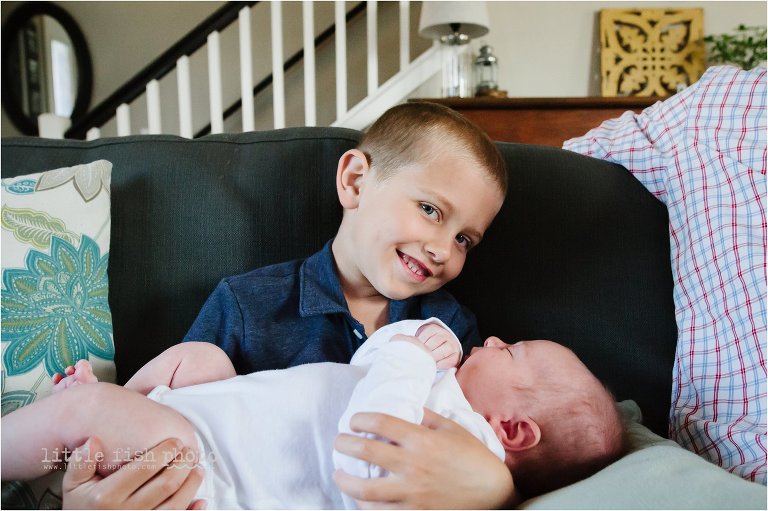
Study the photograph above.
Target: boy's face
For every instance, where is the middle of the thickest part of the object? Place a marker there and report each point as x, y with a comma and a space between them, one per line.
412, 230
489, 375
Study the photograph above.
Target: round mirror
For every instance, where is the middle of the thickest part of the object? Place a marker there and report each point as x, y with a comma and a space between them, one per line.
46, 66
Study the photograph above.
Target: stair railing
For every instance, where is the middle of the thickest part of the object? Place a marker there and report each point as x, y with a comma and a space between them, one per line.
207, 34
145, 81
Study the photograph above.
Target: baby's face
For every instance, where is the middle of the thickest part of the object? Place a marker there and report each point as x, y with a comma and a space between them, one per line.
489, 375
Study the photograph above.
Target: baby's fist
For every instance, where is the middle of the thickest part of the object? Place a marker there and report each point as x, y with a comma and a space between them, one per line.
441, 343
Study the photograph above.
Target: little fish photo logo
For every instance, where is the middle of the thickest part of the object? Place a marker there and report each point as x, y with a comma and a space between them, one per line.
59, 458
189, 459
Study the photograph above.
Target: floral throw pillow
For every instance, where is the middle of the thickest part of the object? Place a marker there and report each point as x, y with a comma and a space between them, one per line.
55, 310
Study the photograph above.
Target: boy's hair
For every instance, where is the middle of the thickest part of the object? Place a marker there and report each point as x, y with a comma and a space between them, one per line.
581, 433
415, 132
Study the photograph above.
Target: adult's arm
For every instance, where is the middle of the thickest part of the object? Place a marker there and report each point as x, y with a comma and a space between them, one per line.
144, 483
642, 142
435, 465
702, 152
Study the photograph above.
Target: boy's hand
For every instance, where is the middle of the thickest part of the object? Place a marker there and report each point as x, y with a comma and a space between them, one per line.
441, 344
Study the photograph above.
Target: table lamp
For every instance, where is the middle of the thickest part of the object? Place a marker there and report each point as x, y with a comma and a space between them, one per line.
454, 24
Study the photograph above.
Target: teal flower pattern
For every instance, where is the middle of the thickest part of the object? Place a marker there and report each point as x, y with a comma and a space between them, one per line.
24, 186
56, 310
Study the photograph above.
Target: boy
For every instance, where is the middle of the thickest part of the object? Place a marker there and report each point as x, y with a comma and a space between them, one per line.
534, 404
418, 193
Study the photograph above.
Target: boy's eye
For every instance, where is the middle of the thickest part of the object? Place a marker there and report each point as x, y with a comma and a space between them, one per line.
429, 210
464, 241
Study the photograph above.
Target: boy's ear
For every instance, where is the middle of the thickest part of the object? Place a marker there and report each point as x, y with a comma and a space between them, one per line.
353, 167
519, 434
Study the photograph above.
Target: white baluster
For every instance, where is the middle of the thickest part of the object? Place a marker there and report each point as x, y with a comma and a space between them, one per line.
373, 47
246, 69
50, 125
405, 34
310, 107
123, 120
185, 97
278, 81
93, 134
341, 59
214, 80
153, 107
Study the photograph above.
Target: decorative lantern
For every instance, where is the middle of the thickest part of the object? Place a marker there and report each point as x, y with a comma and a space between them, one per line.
486, 72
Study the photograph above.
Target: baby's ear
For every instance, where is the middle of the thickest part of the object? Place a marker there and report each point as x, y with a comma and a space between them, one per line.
353, 167
519, 434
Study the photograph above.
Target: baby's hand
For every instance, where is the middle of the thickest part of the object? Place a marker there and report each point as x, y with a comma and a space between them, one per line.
441, 344
411, 339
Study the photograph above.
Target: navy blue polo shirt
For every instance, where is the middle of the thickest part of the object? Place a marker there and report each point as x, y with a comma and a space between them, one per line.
295, 313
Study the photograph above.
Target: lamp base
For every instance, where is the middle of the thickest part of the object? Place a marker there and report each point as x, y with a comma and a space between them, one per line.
457, 67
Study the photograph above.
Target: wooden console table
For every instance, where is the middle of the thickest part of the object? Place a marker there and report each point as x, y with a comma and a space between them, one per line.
546, 121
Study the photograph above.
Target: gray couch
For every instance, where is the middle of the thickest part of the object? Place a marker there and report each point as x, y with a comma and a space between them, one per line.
578, 254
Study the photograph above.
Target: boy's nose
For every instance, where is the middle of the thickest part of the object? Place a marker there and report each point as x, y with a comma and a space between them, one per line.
494, 342
439, 251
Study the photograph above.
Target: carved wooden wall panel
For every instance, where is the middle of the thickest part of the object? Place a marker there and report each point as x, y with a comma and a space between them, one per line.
648, 52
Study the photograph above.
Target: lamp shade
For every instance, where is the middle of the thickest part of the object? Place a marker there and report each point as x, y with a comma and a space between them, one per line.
437, 18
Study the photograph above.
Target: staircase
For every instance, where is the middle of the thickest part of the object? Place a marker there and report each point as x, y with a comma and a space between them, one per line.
331, 77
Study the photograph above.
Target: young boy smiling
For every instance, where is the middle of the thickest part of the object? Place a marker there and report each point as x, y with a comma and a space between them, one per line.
418, 193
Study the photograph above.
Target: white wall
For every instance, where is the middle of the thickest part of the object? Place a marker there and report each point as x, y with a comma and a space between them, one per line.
551, 48
544, 48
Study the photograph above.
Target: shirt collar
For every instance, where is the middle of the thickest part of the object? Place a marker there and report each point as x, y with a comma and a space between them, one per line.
320, 288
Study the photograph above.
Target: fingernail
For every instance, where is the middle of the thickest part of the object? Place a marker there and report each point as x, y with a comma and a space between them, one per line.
179, 454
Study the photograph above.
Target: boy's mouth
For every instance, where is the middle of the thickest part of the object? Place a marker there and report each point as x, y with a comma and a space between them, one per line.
416, 269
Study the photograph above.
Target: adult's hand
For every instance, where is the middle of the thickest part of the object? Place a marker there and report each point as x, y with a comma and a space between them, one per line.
145, 483
437, 464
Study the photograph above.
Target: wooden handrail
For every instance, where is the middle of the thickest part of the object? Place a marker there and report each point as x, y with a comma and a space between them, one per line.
157, 69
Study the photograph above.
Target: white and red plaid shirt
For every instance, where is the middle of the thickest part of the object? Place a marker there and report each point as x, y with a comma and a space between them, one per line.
702, 153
